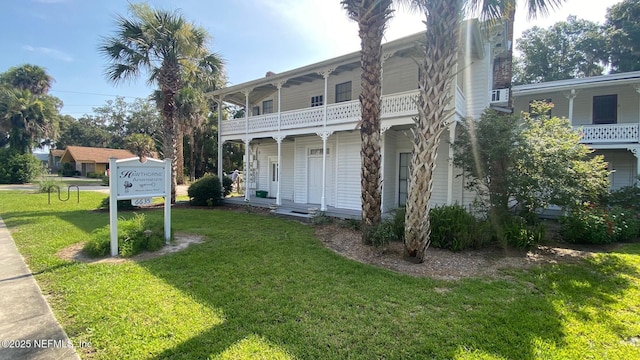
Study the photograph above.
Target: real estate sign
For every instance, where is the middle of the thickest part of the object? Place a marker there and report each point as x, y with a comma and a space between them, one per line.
131, 179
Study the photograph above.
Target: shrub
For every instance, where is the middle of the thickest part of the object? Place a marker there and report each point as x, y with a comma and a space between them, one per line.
452, 227
598, 225
105, 180
353, 224
132, 238
16, 168
520, 233
46, 182
122, 205
627, 197
383, 234
227, 185
205, 191
398, 222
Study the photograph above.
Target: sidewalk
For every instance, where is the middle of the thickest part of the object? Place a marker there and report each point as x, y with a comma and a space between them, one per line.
28, 329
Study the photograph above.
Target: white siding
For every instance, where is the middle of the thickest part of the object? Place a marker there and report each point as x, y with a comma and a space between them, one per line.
624, 164
477, 85
264, 151
348, 192
390, 172
399, 74
286, 170
300, 173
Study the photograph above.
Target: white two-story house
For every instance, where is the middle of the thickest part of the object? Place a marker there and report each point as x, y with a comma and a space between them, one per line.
606, 109
299, 130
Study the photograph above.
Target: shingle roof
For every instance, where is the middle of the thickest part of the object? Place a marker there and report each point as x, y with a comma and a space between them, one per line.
97, 155
57, 152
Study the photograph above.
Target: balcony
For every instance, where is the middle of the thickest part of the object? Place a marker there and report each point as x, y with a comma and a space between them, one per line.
610, 133
344, 113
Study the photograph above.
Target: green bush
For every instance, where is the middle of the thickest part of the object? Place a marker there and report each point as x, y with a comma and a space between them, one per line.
18, 168
132, 238
227, 185
105, 180
46, 182
383, 234
627, 197
122, 205
205, 191
598, 225
518, 232
452, 227
94, 175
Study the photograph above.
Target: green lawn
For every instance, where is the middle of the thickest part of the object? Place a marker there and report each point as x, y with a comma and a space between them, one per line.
263, 287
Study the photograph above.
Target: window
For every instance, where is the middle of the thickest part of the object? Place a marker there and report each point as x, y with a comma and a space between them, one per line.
256, 111
313, 152
403, 178
343, 92
605, 109
267, 106
316, 101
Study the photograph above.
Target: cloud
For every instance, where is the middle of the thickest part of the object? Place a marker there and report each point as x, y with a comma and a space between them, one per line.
53, 53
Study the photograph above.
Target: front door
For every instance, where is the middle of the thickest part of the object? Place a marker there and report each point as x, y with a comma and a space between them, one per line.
314, 179
273, 178
403, 178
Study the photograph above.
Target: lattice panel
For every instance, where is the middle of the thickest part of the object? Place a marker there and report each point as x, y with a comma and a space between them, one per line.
610, 133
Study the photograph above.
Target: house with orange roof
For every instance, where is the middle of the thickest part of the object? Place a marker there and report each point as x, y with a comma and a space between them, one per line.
87, 160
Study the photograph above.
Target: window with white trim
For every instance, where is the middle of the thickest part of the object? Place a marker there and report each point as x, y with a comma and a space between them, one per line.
317, 101
343, 92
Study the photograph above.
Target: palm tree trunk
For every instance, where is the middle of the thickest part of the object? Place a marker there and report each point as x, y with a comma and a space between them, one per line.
179, 156
372, 19
192, 158
169, 79
440, 52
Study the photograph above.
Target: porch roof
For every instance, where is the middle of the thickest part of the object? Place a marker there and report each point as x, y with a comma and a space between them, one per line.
627, 78
406, 46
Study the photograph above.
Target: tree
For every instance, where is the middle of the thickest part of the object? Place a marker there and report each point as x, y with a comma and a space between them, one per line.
85, 131
28, 77
140, 144
569, 49
542, 162
192, 112
28, 119
372, 17
437, 64
624, 33
164, 44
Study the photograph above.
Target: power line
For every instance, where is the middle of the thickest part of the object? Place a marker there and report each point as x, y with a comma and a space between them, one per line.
88, 93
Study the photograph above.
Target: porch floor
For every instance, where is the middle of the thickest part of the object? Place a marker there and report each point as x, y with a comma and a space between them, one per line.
289, 208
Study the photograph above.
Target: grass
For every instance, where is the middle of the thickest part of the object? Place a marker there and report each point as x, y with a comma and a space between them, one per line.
264, 287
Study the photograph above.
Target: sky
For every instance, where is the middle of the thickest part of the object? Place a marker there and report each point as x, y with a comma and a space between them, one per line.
252, 36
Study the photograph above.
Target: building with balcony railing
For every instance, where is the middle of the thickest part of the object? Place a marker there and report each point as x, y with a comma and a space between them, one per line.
300, 126
606, 109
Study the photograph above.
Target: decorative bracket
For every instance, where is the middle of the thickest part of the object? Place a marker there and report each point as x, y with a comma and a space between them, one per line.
246, 140
386, 56
326, 72
571, 94
278, 84
637, 87
384, 129
279, 138
324, 134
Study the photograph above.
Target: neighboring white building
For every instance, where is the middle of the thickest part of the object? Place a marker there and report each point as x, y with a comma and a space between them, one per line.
607, 110
300, 128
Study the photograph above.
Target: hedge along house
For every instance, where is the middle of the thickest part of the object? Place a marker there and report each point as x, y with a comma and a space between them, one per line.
87, 160
605, 108
299, 128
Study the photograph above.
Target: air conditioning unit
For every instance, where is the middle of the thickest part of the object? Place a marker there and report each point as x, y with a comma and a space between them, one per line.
499, 96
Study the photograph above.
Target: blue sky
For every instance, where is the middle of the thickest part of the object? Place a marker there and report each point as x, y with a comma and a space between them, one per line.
252, 36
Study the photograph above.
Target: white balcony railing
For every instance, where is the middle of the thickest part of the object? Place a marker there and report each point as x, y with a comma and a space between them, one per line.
396, 105
610, 133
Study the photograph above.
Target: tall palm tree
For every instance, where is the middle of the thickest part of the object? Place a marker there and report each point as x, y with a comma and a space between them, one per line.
192, 113
162, 43
372, 17
439, 58
27, 118
28, 77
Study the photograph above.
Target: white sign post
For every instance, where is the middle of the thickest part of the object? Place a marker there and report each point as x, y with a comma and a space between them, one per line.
130, 179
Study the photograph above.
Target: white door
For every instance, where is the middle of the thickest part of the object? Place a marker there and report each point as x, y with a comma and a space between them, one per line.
273, 178
314, 180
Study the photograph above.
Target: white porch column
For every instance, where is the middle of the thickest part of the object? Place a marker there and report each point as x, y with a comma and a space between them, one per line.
571, 95
325, 74
637, 88
247, 141
452, 138
324, 135
279, 139
383, 131
219, 139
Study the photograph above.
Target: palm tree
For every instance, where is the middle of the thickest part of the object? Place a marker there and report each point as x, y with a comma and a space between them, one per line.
439, 58
164, 44
192, 113
27, 118
372, 17
28, 77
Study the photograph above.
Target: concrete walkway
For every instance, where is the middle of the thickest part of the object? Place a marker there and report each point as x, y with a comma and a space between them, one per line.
28, 329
